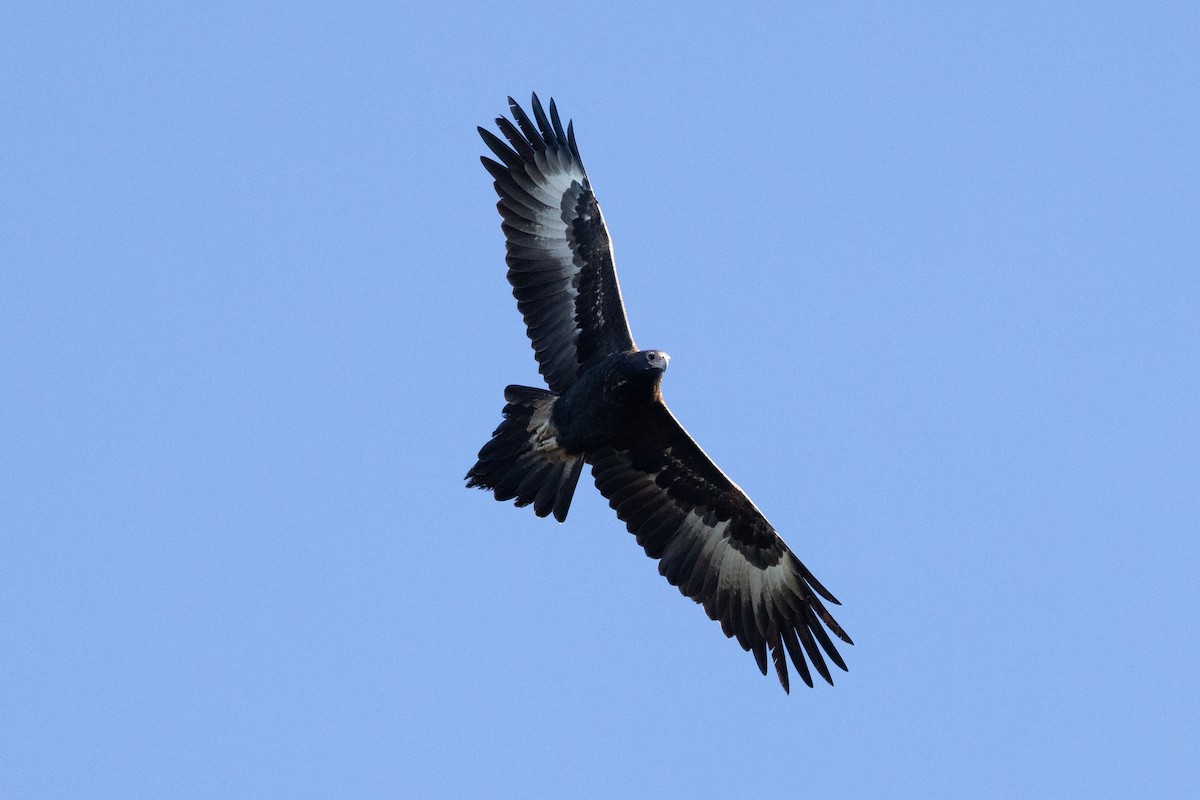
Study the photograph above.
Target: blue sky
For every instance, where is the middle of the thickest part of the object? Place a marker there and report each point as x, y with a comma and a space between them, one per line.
928, 274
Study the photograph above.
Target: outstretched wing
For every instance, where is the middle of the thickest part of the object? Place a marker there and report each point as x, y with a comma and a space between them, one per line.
716, 546
560, 260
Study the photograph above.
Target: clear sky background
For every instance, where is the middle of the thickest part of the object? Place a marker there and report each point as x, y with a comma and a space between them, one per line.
930, 278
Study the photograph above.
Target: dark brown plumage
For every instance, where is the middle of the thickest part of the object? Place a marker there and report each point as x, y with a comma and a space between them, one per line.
604, 407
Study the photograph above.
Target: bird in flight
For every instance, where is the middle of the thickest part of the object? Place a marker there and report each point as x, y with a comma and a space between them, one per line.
604, 407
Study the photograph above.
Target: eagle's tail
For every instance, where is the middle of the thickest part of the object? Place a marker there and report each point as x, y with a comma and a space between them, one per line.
524, 460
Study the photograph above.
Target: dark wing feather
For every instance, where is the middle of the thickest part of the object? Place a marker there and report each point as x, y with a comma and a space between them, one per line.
716, 546
560, 260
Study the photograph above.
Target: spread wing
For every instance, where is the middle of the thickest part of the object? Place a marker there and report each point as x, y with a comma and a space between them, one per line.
716, 546
560, 260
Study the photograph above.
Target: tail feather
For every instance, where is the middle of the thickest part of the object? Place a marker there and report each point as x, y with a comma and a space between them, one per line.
523, 460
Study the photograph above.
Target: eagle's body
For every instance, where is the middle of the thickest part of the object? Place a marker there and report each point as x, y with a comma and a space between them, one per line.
604, 407
606, 404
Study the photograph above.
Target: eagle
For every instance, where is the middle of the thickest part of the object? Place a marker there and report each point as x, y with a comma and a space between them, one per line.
603, 407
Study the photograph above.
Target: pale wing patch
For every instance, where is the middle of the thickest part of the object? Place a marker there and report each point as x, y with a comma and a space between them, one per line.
558, 251
714, 545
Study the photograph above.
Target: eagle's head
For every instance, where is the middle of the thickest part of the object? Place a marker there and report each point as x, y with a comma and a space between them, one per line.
634, 377
655, 360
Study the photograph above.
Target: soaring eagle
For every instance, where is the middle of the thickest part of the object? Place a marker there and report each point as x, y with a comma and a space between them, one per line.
604, 407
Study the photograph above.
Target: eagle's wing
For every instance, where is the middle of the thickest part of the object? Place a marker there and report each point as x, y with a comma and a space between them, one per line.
560, 260
716, 546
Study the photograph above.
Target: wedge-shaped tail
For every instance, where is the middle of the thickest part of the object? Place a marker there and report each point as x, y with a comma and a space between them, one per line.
523, 461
